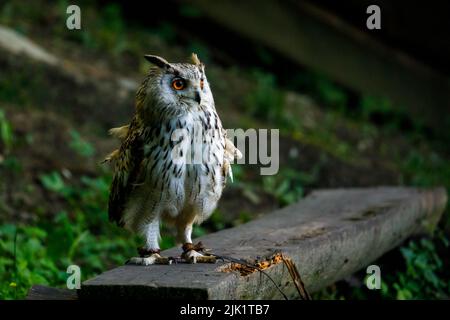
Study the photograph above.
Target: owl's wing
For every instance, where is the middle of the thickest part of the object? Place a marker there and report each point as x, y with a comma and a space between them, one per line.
127, 171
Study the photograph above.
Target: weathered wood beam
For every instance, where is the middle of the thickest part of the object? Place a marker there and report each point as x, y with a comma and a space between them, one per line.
38, 292
329, 235
312, 37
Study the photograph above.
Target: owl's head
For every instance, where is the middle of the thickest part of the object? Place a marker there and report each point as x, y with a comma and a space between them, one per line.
177, 87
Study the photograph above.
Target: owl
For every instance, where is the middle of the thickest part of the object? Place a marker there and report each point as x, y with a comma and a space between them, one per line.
174, 158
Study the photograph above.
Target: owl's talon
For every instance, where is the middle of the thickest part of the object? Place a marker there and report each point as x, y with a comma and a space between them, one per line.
193, 256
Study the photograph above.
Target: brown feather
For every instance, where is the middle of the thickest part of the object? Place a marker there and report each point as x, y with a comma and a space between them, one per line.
126, 171
120, 132
195, 60
111, 157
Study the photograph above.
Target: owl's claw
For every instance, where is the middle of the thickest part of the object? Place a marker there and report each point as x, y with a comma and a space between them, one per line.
154, 258
194, 254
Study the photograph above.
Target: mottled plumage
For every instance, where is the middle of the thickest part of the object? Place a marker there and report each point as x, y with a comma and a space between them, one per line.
157, 172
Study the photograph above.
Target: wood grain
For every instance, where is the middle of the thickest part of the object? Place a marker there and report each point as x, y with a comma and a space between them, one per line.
328, 235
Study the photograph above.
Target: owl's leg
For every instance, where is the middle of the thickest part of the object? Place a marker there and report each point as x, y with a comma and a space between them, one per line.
149, 254
192, 253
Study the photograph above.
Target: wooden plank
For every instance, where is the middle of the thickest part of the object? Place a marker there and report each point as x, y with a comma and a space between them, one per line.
38, 292
309, 36
328, 235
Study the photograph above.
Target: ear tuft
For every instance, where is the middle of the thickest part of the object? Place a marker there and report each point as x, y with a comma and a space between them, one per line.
157, 61
195, 60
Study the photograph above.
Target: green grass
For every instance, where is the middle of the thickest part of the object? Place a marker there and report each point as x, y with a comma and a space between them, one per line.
266, 100
6, 136
288, 185
80, 235
39, 253
424, 277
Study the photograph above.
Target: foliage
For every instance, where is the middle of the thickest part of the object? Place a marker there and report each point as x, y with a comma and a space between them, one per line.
424, 274
321, 88
266, 101
81, 146
81, 235
427, 170
5, 132
419, 273
24, 261
12, 87
287, 186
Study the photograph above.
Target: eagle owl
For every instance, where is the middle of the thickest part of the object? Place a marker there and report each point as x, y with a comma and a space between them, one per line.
158, 174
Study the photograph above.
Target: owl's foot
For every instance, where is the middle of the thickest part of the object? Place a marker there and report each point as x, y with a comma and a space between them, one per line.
196, 254
148, 257
146, 261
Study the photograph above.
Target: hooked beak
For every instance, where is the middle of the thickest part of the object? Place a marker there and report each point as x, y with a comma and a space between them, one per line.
197, 97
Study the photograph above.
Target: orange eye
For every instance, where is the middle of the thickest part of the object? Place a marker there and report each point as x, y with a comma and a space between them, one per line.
201, 84
178, 84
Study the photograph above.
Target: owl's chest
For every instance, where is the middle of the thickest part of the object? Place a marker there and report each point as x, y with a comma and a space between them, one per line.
185, 154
